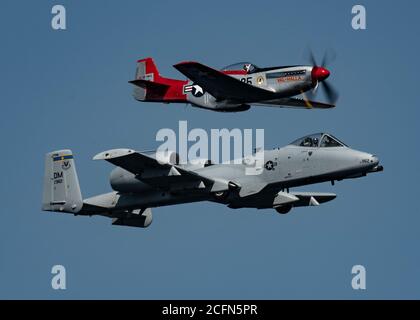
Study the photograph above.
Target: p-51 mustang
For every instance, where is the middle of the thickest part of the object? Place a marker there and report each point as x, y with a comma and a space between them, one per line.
142, 181
235, 87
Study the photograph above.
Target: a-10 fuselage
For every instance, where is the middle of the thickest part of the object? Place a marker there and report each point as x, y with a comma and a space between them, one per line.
262, 180
291, 166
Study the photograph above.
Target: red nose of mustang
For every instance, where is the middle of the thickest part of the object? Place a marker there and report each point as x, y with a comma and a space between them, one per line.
320, 74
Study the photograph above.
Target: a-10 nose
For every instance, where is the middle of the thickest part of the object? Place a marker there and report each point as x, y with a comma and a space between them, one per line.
374, 164
367, 159
374, 160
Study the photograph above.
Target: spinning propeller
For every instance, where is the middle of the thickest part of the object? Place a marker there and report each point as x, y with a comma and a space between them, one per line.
319, 76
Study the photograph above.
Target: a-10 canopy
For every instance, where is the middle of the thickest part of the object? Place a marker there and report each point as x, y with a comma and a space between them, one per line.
321, 140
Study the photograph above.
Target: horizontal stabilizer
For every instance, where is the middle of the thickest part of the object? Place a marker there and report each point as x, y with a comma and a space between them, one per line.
146, 84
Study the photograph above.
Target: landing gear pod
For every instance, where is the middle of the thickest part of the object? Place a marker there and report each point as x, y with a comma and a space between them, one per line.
284, 209
141, 218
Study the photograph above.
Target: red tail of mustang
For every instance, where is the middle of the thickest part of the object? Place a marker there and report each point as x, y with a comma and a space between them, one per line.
151, 86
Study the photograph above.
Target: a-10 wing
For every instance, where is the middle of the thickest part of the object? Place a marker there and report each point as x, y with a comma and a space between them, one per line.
159, 174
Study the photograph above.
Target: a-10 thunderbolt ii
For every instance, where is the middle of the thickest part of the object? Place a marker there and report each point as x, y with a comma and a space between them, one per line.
145, 180
235, 87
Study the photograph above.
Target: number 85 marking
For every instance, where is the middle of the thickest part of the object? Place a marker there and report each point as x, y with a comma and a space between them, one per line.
247, 80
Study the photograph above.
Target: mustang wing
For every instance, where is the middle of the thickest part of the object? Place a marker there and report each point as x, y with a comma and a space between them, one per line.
158, 174
220, 85
294, 103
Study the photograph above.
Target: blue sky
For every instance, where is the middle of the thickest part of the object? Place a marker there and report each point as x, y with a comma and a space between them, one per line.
68, 89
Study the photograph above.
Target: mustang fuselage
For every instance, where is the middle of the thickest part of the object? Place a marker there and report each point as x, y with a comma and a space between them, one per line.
283, 81
234, 88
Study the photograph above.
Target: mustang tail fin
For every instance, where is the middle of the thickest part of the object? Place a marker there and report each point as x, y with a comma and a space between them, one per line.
147, 70
61, 185
148, 85
151, 86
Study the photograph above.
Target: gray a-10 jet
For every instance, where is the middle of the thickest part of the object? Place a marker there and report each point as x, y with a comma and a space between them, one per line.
145, 180
235, 87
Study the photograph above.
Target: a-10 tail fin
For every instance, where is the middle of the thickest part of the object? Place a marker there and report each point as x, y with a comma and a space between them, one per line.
61, 185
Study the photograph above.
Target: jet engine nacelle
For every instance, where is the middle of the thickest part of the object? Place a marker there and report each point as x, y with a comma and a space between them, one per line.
124, 181
166, 157
198, 163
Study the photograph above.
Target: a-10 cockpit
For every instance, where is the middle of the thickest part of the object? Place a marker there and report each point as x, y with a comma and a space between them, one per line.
318, 140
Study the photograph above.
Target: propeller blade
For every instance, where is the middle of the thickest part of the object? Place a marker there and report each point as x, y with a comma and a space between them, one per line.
307, 97
310, 56
316, 87
330, 92
324, 60
328, 57
310, 95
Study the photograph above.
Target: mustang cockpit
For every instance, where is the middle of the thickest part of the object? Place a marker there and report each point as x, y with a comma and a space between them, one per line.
318, 140
242, 66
